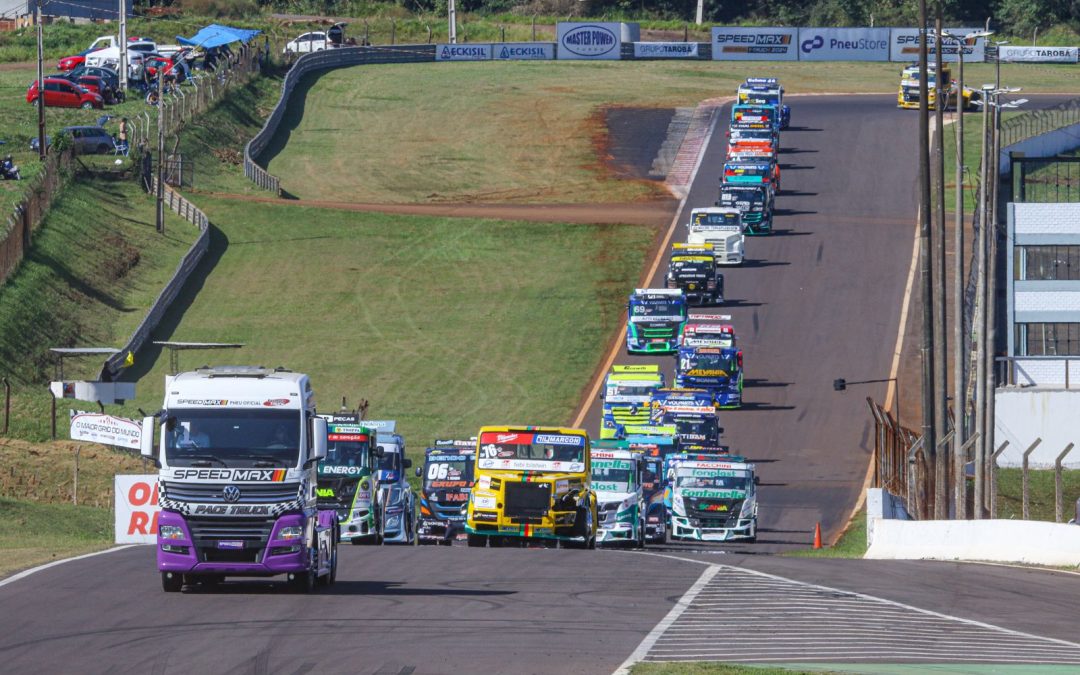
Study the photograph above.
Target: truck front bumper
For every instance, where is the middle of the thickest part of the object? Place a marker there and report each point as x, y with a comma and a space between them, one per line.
691, 528
432, 530
275, 556
617, 532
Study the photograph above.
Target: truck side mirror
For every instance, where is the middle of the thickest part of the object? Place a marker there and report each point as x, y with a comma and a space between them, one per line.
419, 472
407, 463
318, 433
757, 480
146, 438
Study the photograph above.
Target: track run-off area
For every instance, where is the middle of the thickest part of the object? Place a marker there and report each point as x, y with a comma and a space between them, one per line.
817, 300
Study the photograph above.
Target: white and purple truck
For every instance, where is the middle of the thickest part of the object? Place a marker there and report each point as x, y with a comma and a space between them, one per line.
238, 454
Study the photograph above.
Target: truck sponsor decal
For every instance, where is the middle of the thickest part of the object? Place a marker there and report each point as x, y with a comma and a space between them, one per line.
271, 475
612, 464
234, 510
355, 438
341, 471
713, 494
532, 465
608, 487
560, 440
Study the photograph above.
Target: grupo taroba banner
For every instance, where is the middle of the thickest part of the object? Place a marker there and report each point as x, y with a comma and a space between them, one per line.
843, 44
523, 51
904, 45
755, 44
463, 52
665, 50
594, 40
136, 512
1039, 54
105, 429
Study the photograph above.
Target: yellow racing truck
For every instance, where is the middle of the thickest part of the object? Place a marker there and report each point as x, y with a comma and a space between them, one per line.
908, 95
532, 483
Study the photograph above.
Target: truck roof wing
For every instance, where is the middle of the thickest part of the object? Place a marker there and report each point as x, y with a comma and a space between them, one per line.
708, 318
382, 426
658, 291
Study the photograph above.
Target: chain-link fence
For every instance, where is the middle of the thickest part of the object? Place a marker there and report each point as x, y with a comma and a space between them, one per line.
1037, 122
1046, 179
31, 209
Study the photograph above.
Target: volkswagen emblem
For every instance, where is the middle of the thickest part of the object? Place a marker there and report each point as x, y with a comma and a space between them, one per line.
231, 493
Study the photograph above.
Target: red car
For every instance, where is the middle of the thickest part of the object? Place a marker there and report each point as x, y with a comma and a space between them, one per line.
97, 85
70, 62
61, 93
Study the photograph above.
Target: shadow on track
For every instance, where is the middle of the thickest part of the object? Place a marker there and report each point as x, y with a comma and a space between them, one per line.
754, 264
751, 382
790, 233
764, 406
340, 587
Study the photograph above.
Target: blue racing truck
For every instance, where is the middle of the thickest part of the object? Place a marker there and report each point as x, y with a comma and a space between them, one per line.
757, 172
655, 319
692, 412
447, 477
765, 91
708, 359
626, 396
394, 496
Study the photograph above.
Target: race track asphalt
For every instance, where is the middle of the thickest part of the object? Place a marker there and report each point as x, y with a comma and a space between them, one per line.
817, 300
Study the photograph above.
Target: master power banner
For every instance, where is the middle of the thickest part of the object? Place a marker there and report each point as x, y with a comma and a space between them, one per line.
665, 50
136, 513
904, 45
523, 51
463, 52
843, 44
105, 429
593, 40
1039, 54
755, 44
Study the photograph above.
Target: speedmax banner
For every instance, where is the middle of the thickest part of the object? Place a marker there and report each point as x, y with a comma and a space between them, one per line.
755, 44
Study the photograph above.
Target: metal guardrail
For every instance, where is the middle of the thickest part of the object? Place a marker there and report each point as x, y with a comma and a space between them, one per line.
305, 65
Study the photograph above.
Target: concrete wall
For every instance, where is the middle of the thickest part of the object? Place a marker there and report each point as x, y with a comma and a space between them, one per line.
1026, 414
1013, 541
1043, 145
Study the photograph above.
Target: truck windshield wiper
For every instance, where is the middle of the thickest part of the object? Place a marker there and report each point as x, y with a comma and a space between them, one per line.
204, 460
267, 460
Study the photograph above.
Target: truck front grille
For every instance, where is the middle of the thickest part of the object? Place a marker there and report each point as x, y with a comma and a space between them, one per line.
527, 500
211, 493
254, 532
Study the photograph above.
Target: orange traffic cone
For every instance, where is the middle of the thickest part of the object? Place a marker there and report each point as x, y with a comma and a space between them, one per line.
817, 536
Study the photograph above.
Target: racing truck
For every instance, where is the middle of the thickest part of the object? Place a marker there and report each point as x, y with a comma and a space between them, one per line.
447, 479
693, 270
765, 91
655, 318
754, 203
626, 396
656, 444
761, 133
908, 95
532, 483
617, 483
394, 496
708, 359
712, 498
692, 412
751, 152
345, 478
237, 458
708, 330
721, 227
754, 113
757, 172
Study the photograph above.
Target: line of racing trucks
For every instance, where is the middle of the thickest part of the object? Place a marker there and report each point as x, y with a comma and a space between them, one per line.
658, 471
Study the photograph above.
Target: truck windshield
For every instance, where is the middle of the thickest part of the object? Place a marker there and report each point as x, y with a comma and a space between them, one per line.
741, 199
441, 474
713, 364
692, 266
656, 310
697, 428
686, 477
716, 219
390, 461
613, 475
235, 437
619, 389
347, 447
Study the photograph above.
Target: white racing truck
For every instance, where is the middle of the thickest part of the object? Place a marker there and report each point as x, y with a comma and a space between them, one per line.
713, 498
620, 502
722, 227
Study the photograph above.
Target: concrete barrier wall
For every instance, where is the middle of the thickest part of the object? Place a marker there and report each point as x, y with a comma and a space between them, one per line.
1023, 415
1008, 541
1044, 145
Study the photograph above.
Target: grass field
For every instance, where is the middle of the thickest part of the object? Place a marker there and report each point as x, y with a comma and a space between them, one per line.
852, 543
524, 132
32, 533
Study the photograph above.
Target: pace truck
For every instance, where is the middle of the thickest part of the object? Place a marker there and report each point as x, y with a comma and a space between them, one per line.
237, 455
447, 481
532, 483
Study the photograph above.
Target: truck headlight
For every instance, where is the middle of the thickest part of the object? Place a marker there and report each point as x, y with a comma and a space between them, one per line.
171, 532
291, 532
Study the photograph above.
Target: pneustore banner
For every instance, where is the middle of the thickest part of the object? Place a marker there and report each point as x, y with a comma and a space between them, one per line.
1039, 54
904, 45
590, 41
665, 50
755, 44
843, 44
523, 51
464, 52
136, 513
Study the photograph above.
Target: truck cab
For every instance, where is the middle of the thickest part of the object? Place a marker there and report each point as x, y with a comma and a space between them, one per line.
447, 477
617, 483
723, 228
753, 113
755, 172
345, 478
655, 444
692, 412
692, 269
754, 203
709, 330
655, 318
765, 91
626, 396
394, 496
532, 483
237, 454
713, 498
715, 369
753, 132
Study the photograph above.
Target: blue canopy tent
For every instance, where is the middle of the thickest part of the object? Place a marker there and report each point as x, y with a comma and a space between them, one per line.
216, 35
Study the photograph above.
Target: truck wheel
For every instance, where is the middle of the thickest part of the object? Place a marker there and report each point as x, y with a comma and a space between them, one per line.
331, 576
171, 583
641, 535
302, 582
476, 540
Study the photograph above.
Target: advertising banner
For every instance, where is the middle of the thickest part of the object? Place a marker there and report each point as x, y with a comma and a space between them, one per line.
593, 41
465, 52
136, 513
523, 51
665, 50
1039, 54
755, 44
904, 46
843, 44
105, 429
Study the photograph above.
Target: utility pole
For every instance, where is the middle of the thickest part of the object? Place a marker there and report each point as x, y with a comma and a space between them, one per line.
979, 323
929, 429
160, 151
452, 11
959, 346
700, 12
40, 83
123, 47
941, 414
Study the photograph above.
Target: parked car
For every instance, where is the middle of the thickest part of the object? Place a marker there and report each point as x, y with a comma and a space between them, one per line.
316, 41
62, 93
69, 62
108, 74
98, 86
87, 140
